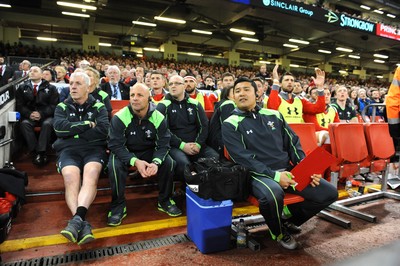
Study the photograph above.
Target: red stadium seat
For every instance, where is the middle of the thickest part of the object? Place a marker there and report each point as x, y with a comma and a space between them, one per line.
289, 198
306, 133
349, 146
380, 145
209, 114
117, 105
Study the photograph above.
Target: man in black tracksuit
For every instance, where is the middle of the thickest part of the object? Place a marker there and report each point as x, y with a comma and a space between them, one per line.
261, 140
188, 124
139, 137
81, 125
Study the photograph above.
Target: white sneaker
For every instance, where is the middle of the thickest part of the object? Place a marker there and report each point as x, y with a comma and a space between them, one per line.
288, 242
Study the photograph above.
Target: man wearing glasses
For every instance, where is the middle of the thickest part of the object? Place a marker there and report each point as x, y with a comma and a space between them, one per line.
188, 124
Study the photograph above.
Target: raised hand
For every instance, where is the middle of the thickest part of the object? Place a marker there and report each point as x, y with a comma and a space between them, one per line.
319, 81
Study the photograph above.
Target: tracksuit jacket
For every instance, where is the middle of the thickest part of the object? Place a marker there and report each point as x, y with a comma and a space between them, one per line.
222, 111
261, 141
131, 136
187, 120
72, 124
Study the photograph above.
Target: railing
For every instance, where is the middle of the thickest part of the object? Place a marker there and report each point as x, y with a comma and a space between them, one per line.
374, 106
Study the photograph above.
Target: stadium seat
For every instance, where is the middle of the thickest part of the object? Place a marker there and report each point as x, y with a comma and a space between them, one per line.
306, 133
380, 148
380, 145
117, 105
350, 148
209, 114
289, 198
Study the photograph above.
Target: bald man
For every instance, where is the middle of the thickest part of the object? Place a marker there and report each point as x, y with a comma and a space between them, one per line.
36, 101
139, 137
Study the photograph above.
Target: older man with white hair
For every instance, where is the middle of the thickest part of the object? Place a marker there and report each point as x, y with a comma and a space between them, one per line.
81, 125
115, 89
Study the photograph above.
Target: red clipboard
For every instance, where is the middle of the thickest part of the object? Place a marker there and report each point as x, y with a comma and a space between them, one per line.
314, 163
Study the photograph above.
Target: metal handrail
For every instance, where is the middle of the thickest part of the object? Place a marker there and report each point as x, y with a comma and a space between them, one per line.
374, 106
21, 79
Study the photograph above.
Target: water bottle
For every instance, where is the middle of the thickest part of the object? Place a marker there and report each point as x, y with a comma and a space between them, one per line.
241, 237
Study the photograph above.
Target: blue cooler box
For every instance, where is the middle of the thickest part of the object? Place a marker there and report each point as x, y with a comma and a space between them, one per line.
208, 222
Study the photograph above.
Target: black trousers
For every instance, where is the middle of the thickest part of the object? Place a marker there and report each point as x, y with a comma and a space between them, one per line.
27, 130
118, 172
270, 196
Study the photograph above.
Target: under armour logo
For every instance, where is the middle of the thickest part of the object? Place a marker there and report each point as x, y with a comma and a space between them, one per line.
325, 123
173, 111
80, 110
71, 114
133, 133
249, 131
289, 110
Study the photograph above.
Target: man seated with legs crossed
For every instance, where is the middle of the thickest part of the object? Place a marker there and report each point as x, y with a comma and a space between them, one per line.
261, 140
139, 137
81, 125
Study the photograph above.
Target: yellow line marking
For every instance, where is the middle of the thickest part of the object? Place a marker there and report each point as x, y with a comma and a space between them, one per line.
50, 240
42, 241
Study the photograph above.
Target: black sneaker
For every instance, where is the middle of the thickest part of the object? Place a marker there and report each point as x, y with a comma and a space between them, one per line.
291, 227
85, 235
170, 208
45, 159
287, 241
115, 216
71, 232
37, 159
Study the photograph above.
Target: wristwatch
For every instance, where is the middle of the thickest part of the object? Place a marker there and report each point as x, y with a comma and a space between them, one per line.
157, 163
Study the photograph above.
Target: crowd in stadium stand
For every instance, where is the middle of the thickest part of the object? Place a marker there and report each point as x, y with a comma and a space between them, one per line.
208, 75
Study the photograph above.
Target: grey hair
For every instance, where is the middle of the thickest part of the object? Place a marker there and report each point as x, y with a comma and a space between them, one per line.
114, 67
86, 78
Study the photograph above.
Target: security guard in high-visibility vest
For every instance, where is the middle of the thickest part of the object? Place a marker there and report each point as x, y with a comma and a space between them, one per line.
290, 106
393, 105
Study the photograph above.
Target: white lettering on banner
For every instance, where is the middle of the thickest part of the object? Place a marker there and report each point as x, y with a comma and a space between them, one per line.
287, 6
306, 12
356, 23
388, 29
4, 97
